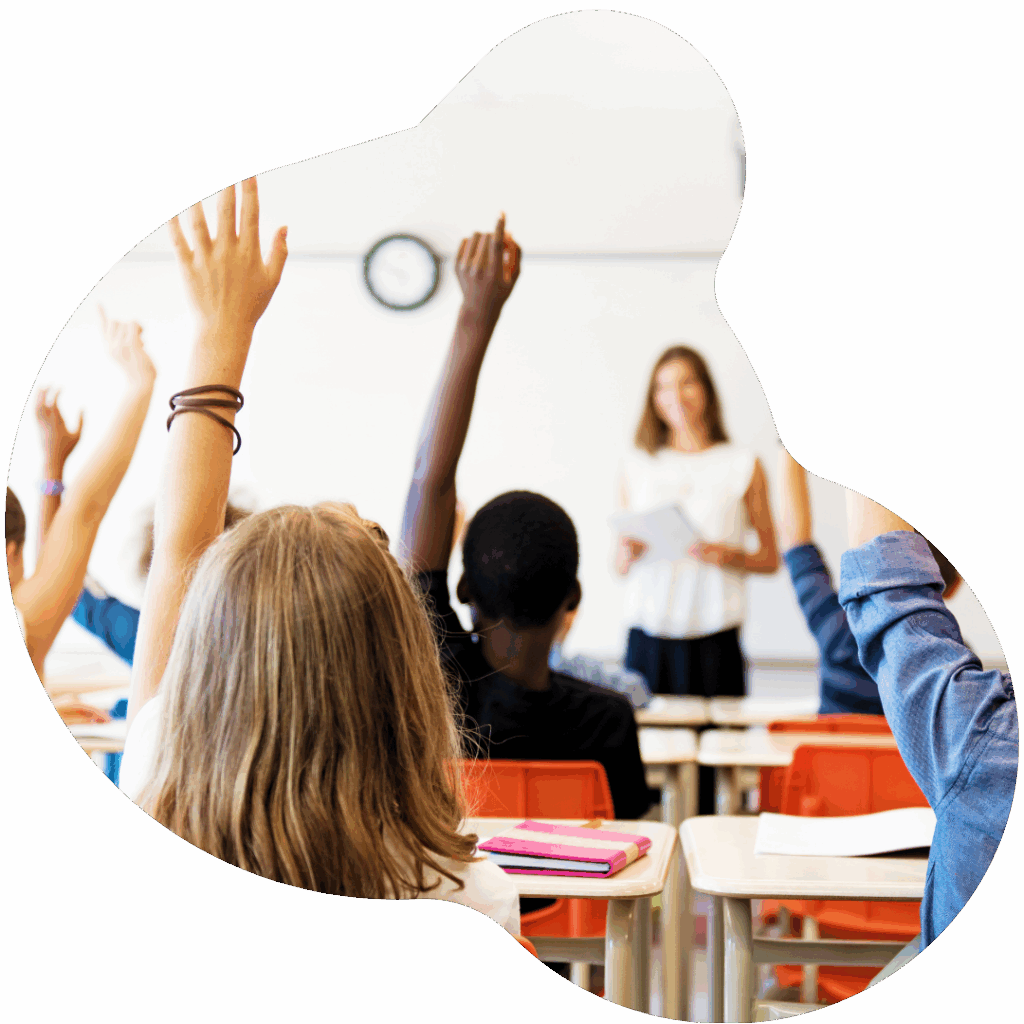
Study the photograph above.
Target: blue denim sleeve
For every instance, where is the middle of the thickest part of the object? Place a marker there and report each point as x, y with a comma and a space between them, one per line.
114, 622
845, 686
943, 707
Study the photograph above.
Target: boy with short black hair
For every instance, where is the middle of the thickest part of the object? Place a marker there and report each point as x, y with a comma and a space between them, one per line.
520, 559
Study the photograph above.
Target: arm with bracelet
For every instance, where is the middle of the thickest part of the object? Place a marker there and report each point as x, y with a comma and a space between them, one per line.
230, 286
47, 597
58, 443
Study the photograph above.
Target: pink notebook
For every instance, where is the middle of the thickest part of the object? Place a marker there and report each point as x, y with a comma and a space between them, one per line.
538, 848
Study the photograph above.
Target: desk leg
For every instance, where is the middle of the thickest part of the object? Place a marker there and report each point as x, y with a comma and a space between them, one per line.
672, 797
726, 789
642, 957
688, 784
716, 961
676, 940
621, 939
738, 1002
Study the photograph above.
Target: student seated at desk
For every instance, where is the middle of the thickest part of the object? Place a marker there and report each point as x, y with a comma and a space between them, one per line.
520, 559
288, 712
955, 724
845, 686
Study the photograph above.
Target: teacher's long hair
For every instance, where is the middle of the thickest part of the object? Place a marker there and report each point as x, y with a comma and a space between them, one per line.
652, 433
308, 733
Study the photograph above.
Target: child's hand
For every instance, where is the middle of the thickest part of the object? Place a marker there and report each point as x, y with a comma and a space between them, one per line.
487, 268
630, 550
58, 441
227, 279
719, 554
124, 342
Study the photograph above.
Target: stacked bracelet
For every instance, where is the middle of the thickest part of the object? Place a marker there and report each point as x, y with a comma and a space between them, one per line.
52, 488
185, 401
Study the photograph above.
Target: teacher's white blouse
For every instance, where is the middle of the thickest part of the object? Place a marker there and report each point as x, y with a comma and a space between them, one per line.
686, 599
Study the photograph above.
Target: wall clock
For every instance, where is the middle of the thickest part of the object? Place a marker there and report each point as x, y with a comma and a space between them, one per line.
402, 272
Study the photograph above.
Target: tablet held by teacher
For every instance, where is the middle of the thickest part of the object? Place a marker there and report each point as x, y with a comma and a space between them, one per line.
686, 612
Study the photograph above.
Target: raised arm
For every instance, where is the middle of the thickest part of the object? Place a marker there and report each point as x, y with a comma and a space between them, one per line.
47, 597
487, 267
795, 525
58, 444
230, 286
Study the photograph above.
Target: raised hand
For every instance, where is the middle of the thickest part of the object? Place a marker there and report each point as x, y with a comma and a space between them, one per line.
227, 279
124, 342
487, 268
630, 550
58, 441
719, 554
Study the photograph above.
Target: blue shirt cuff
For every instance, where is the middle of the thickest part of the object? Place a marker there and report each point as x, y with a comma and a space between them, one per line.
889, 561
801, 559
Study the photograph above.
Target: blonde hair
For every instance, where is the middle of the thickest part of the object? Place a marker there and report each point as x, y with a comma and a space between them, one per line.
652, 432
309, 734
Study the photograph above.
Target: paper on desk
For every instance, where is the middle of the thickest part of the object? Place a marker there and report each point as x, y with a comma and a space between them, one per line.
855, 835
666, 531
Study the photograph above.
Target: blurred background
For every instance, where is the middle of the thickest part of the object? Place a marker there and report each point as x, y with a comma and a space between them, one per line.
616, 153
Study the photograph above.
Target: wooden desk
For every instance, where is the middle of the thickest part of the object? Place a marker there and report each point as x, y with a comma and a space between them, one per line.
672, 712
625, 949
741, 711
720, 860
731, 750
77, 686
101, 737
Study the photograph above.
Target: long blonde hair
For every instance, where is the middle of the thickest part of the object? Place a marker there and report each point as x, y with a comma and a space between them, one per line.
309, 734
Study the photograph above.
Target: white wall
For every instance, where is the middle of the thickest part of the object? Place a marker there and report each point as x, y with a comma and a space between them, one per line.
627, 144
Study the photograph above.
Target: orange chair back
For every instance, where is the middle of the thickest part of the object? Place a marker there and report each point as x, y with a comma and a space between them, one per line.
869, 725
544, 789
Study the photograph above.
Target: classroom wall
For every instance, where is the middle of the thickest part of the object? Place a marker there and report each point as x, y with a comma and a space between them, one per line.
619, 166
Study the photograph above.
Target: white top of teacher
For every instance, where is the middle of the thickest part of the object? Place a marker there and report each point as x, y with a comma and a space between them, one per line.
686, 598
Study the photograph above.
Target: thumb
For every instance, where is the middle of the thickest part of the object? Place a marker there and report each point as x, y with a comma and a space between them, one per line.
278, 254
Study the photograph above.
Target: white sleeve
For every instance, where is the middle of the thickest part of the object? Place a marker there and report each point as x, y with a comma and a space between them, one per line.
140, 748
486, 888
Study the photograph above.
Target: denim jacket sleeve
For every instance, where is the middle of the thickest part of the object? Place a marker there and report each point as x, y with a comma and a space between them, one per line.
943, 707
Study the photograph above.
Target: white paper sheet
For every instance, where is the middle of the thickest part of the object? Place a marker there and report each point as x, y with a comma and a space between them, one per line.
666, 531
855, 835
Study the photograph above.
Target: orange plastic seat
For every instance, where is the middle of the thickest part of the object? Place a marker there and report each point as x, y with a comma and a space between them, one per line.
544, 789
825, 781
869, 725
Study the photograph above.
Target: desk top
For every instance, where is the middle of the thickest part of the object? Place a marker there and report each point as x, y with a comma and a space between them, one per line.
758, 748
644, 877
674, 711
761, 710
70, 686
667, 746
719, 852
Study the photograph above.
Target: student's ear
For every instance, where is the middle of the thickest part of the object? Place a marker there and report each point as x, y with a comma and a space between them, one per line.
462, 591
575, 596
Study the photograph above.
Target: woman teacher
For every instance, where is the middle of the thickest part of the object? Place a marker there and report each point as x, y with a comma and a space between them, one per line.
686, 614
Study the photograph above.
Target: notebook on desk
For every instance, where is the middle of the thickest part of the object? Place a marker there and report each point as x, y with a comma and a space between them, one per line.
541, 848
854, 835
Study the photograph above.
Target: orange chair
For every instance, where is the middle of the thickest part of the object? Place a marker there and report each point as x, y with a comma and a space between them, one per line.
828, 781
544, 789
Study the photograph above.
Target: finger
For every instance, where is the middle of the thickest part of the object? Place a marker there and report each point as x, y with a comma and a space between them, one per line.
497, 247
226, 213
278, 254
40, 401
81, 420
56, 395
460, 256
199, 229
181, 249
481, 251
473, 248
250, 217
512, 256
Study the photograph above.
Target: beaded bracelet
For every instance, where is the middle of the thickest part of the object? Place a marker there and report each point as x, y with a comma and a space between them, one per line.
52, 488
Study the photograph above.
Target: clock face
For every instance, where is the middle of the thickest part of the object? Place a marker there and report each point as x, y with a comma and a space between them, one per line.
402, 272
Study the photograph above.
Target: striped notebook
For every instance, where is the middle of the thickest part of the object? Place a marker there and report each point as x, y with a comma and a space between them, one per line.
539, 848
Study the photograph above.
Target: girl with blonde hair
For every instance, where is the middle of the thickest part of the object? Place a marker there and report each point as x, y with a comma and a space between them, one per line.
288, 712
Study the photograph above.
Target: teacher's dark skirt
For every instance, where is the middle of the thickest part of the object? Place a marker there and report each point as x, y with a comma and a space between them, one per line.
708, 666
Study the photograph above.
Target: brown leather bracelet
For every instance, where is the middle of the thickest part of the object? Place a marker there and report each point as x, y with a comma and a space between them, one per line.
204, 389
213, 416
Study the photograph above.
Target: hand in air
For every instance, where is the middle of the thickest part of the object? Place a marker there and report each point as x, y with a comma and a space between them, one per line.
124, 342
227, 279
58, 441
487, 267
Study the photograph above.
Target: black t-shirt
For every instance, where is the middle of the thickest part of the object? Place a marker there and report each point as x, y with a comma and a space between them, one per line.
570, 721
